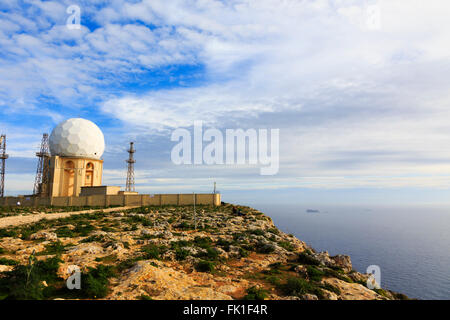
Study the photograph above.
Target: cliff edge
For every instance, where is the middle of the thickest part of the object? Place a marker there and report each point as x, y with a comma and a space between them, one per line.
226, 252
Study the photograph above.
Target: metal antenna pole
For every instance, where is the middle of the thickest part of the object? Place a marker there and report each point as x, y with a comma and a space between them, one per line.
130, 174
3, 157
41, 181
195, 213
214, 187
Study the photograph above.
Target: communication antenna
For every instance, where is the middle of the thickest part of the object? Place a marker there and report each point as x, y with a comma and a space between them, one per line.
195, 213
130, 173
214, 188
41, 181
3, 157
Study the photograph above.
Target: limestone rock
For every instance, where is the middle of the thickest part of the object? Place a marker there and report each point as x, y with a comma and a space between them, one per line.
85, 248
353, 291
328, 295
323, 258
118, 214
162, 283
46, 235
6, 268
343, 261
29, 250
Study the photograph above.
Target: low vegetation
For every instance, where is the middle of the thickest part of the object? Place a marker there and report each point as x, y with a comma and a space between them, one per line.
222, 243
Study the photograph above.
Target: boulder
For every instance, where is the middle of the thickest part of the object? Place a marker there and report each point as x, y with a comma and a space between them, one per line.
118, 214
343, 261
328, 295
323, 258
6, 268
85, 248
44, 235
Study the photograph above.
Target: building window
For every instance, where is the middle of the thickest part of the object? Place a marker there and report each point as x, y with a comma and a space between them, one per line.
89, 180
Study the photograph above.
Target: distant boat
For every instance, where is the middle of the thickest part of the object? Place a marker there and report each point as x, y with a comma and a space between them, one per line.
312, 211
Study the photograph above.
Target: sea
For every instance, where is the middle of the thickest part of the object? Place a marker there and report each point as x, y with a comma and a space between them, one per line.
411, 245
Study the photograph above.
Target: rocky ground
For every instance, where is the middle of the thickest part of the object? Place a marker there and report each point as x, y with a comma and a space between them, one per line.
227, 252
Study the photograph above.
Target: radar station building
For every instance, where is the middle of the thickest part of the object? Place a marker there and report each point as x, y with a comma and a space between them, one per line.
72, 174
76, 146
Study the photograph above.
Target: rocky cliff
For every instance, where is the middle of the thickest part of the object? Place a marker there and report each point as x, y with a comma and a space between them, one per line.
226, 252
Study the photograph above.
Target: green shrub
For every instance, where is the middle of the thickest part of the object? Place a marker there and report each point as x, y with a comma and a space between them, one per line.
64, 232
83, 230
239, 236
255, 293
203, 242
243, 253
180, 244
181, 254
382, 292
126, 264
258, 232
171, 220
56, 248
24, 282
7, 233
298, 287
286, 245
305, 258
276, 265
264, 248
274, 268
204, 266
142, 220
224, 244
107, 259
8, 262
94, 283
331, 288
338, 274
108, 229
152, 251
314, 273
184, 225
210, 254
273, 280
400, 296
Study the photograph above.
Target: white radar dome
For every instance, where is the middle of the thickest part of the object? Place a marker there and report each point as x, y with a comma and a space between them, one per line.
77, 137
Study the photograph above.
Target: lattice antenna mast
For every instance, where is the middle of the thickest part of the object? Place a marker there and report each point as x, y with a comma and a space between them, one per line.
41, 181
130, 173
3, 157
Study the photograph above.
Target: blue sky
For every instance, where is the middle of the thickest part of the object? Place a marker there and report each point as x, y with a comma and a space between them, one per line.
363, 109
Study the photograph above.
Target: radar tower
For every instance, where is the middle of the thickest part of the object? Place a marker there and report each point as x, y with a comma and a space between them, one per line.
41, 181
130, 173
3, 157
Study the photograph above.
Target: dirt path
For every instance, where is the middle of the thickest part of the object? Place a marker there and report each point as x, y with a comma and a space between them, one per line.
19, 220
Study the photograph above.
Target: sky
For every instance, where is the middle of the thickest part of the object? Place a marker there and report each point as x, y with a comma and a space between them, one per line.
359, 91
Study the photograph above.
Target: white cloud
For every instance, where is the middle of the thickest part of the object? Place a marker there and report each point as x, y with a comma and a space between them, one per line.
323, 61
367, 102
